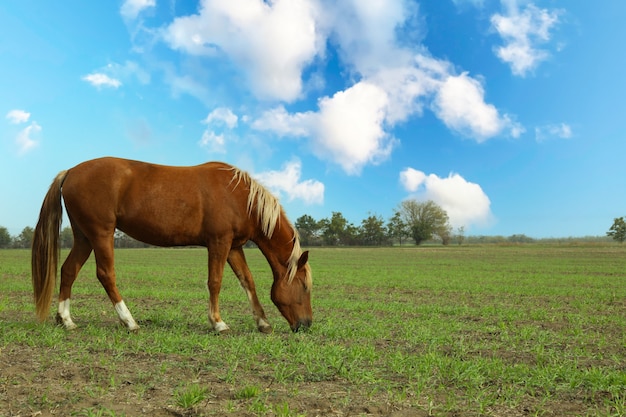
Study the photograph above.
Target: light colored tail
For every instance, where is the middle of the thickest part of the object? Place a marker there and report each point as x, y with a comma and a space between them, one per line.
45, 249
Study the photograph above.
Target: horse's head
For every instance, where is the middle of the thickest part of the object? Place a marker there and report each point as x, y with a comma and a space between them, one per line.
293, 296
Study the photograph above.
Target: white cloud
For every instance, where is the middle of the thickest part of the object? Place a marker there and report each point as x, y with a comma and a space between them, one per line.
270, 42
408, 86
287, 182
465, 202
460, 103
222, 115
98, 79
352, 128
347, 129
522, 32
26, 138
411, 179
219, 119
366, 32
131, 8
213, 142
279, 121
553, 131
112, 74
127, 71
18, 116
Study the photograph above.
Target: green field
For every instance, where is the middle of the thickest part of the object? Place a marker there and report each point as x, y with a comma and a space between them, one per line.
445, 331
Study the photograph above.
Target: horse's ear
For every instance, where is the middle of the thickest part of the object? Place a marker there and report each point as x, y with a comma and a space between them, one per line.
303, 259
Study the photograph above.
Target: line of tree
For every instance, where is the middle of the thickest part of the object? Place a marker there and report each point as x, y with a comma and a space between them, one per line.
25, 239
412, 222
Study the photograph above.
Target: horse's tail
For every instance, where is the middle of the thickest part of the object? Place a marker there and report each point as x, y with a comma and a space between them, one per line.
45, 249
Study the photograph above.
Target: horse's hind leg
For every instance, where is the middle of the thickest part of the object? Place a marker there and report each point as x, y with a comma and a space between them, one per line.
105, 271
80, 252
237, 261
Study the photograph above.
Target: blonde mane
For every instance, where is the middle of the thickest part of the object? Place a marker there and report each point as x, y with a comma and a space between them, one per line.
268, 210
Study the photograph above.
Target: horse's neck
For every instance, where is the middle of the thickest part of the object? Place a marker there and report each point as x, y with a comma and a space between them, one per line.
277, 249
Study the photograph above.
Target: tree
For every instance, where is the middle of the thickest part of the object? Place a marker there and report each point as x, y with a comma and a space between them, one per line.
618, 230
308, 228
460, 235
350, 235
334, 230
5, 237
397, 228
372, 230
425, 220
67, 237
25, 239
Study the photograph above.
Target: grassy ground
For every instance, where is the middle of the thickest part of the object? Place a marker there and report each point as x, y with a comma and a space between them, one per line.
445, 331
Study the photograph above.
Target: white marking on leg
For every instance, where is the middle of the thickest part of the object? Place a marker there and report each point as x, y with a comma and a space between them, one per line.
125, 317
220, 326
262, 324
64, 314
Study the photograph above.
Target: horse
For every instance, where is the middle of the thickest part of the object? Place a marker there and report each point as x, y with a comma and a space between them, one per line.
214, 205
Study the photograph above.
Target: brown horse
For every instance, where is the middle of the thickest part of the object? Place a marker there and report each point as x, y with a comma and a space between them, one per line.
214, 205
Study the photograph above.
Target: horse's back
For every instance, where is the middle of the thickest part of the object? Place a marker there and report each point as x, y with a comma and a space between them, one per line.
162, 205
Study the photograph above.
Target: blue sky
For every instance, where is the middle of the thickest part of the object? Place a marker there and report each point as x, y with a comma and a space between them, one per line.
509, 114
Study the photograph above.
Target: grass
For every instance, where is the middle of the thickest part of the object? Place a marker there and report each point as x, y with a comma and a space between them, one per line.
469, 330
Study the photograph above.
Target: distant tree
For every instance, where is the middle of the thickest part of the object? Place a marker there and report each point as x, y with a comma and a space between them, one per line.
334, 230
372, 230
122, 240
308, 228
425, 220
618, 230
67, 237
445, 234
460, 235
5, 237
351, 235
25, 239
520, 239
397, 228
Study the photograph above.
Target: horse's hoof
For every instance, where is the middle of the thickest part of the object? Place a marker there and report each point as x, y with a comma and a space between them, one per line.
66, 325
131, 329
267, 329
221, 328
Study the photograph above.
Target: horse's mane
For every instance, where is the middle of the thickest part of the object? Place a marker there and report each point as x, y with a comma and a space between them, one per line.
268, 210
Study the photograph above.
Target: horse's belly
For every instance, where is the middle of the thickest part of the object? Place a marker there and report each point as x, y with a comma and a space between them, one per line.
163, 229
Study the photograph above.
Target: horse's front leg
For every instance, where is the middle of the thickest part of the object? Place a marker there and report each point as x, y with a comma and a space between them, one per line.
217, 261
237, 261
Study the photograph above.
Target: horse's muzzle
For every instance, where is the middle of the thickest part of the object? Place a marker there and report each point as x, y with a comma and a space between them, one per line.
302, 325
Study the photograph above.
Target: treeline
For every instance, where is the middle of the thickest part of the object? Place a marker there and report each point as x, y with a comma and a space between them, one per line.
25, 239
411, 224
374, 231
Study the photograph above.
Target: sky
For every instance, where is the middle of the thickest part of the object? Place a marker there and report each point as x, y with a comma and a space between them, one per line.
509, 114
